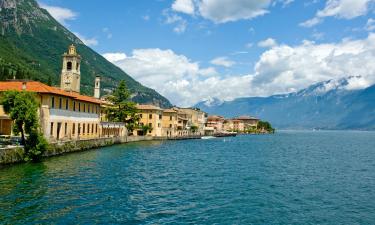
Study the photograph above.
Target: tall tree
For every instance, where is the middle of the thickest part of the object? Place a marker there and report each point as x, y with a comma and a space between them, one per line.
123, 109
22, 108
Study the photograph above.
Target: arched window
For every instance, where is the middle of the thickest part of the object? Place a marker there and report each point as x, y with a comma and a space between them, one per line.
69, 66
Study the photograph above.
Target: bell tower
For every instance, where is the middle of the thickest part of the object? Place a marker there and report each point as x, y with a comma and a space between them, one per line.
71, 70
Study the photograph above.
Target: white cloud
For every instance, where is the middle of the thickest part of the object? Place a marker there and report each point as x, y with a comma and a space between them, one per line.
223, 61
288, 68
179, 23
60, 14
268, 43
222, 11
281, 69
342, 9
87, 41
370, 26
184, 6
114, 57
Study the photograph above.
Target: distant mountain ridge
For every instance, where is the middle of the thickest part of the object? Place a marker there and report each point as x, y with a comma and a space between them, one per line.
325, 105
31, 45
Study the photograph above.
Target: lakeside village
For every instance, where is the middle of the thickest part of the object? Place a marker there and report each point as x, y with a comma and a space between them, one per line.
41, 115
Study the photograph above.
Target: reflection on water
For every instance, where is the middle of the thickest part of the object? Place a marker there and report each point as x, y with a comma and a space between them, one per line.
291, 177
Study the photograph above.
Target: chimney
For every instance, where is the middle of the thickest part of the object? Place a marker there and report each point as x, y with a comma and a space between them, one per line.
97, 87
24, 86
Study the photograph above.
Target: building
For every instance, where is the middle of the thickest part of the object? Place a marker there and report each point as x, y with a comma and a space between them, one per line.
195, 118
152, 117
234, 125
248, 121
169, 123
64, 113
216, 122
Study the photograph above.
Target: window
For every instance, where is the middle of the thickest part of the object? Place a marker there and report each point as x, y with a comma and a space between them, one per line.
92, 128
170, 118
88, 108
74, 128
60, 103
160, 117
159, 125
150, 116
79, 107
69, 66
140, 115
51, 131
67, 104
77, 68
170, 125
53, 102
79, 129
88, 128
74, 105
66, 128
84, 128
96, 129
150, 125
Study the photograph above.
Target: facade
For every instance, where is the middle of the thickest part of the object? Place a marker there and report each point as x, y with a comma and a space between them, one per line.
216, 122
248, 121
169, 123
152, 116
234, 125
63, 115
196, 118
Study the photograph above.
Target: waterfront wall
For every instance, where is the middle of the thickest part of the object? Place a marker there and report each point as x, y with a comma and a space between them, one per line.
16, 154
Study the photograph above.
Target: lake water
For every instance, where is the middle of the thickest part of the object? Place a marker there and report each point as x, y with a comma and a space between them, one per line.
286, 178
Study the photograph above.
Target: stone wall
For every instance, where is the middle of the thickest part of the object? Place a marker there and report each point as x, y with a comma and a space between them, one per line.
15, 154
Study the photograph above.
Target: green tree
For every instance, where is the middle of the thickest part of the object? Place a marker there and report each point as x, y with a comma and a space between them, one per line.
22, 108
194, 129
264, 125
123, 109
146, 129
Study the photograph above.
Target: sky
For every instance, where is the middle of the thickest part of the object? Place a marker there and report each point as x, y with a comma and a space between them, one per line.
200, 50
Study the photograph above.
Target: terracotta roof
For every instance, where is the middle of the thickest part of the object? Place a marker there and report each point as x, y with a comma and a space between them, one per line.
169, 111
38, 87
215, 118
246, 118
148, 107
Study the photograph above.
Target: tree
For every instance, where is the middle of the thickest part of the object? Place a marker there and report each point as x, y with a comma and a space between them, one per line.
22, 108
194, 129
146, 129
265, 126
123, 109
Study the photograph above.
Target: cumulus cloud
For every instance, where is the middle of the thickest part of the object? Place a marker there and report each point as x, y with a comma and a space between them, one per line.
289, 68
87, 41
60, 14
184, 6
343, 9
280, 69
223, 61
370, 25
268, 43
179, 23
222, 11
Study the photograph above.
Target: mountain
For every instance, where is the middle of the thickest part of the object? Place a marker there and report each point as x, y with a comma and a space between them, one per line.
325, 105
32, 43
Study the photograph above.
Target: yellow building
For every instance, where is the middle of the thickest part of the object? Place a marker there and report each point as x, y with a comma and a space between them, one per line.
151, 116
169, 123
195, 117
63, 115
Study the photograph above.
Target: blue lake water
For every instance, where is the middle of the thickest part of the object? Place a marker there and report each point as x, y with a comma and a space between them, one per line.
286, 178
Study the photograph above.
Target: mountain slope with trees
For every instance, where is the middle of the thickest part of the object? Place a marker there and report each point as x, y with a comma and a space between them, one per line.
31, 45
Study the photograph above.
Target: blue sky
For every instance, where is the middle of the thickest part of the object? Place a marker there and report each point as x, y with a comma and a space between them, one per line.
194, 50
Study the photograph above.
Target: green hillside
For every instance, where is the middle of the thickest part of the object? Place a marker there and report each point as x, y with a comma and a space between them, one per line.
31, 45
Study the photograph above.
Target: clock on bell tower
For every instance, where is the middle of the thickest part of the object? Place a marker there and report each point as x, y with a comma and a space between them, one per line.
71, 70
